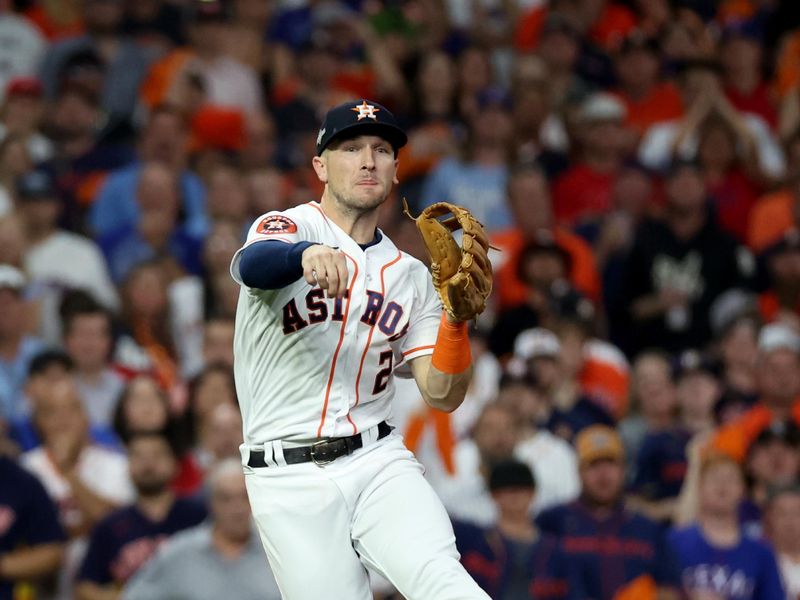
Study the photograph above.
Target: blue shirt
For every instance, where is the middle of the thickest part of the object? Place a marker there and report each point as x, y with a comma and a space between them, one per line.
747, 571
116, 205
661, 464
126, 539
480, 189
27, 515
510, 570
13, 374
606, 554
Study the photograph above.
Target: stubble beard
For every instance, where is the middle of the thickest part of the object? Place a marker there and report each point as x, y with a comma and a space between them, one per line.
354, 206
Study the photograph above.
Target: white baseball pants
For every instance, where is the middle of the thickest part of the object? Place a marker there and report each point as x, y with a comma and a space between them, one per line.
321, 525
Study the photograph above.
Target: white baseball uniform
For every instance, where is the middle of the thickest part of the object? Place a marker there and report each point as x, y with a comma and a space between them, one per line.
310, 367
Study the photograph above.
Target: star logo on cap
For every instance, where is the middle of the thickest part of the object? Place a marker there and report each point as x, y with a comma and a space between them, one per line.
365, 110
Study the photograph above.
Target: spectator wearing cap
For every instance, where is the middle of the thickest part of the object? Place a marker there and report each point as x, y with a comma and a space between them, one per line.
715, 556
782, 527
661, 463
31, 539
17, 347
781, 261
647, 97
612, 552
19, 33
125, 62
55, 259
678, 265
778, 392
477, 180
163, 139
528, 196
582, 194
22, 114
701, 95
569, 406
512, 559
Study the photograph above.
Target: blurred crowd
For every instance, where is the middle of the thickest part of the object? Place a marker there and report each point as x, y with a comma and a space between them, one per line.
633, 427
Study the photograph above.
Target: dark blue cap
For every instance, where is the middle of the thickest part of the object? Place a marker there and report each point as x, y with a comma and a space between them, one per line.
360, 117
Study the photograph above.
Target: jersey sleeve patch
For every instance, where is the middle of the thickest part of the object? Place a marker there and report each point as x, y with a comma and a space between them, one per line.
275, 224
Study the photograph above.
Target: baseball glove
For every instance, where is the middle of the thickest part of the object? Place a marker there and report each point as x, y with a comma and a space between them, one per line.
461, 275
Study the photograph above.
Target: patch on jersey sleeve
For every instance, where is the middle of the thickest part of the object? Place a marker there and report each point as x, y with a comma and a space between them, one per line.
276, 224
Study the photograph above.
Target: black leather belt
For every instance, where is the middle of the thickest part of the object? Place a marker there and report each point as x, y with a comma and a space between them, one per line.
320, 453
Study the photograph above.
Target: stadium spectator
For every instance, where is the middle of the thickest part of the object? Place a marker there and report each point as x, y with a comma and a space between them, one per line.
124, 62
88, 340
477, 180
582, 193
218, 341
31, 539
608, 548
57, 260
221, 558
15, 161
22, 115
677, 267
772, 462
512, 559
715, 556
85, 480
781, 300
220, 435
532, 211
157, 232
162, 139
29, 46
778, 390
126, 539
17, 348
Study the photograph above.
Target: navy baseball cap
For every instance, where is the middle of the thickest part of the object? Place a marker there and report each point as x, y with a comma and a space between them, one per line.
360, 117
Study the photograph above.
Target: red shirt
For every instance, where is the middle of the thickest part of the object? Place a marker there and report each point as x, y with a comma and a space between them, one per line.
581, 193
734, 198
757, 102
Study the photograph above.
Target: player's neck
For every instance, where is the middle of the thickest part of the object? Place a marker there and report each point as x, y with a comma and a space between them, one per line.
358, 225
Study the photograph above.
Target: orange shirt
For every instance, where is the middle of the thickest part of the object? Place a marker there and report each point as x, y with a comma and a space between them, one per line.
770, 219
52, 29
663, 103
511, 291
736, 438
787, 65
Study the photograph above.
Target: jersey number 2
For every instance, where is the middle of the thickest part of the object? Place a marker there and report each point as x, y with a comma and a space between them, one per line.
382, 378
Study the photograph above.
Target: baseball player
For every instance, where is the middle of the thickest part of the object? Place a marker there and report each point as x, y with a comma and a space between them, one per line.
329, 312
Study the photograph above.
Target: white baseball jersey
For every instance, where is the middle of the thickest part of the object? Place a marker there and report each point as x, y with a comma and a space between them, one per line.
308, 366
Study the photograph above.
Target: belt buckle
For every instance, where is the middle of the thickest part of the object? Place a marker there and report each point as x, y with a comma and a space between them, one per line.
319, 463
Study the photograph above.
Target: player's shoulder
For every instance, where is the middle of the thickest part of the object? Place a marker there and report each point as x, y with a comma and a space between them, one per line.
287, 220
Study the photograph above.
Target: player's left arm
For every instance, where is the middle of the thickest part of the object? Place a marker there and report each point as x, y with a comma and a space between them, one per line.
444, 376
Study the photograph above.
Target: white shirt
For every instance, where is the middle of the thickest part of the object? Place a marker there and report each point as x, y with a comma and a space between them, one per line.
100, 397
555, 469
67, 261
230, 83
307, 366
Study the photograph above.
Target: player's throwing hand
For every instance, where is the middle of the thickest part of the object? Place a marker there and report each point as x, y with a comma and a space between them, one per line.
326, 267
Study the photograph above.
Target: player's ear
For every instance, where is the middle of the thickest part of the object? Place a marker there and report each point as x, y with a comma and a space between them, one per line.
395, 180
320, 168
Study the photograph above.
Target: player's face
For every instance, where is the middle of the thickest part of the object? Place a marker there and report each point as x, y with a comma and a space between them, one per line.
358, 172
602, 481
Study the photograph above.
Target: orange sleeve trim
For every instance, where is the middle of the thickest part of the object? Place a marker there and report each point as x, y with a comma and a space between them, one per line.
418, 349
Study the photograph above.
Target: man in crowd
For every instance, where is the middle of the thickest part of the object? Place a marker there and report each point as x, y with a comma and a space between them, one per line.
221, 559
122, 543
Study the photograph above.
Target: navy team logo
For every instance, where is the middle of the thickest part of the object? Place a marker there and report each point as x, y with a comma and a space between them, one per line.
276, 224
